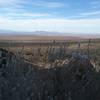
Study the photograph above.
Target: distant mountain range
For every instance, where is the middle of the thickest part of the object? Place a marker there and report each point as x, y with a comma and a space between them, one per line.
6, 33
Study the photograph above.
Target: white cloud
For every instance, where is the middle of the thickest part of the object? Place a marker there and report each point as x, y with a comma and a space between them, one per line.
49, 4
26, 15
5, 2
39, 3
60, 25
9, 2
17, 8
90, 13
11, 5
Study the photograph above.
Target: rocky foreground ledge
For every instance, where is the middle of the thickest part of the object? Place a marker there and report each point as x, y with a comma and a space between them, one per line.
76, 80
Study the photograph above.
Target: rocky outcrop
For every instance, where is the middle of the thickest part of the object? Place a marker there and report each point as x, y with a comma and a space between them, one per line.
76, 80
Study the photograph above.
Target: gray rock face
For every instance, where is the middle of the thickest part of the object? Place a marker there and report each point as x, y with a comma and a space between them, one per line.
74, 81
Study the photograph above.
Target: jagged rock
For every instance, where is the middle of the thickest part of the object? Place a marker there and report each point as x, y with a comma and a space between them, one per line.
75, 80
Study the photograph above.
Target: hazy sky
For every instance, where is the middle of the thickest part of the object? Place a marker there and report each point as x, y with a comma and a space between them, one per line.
50, 15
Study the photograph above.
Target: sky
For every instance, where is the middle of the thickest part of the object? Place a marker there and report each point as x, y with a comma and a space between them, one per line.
68, 16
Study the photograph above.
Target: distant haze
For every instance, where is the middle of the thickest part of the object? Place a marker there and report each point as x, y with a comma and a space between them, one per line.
43, 35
